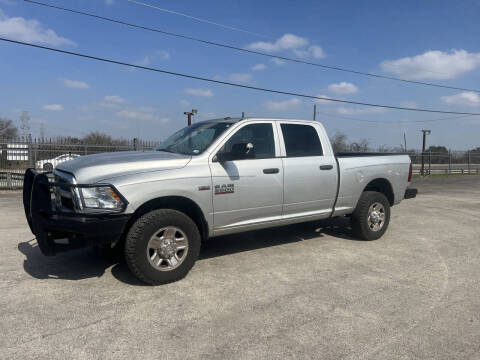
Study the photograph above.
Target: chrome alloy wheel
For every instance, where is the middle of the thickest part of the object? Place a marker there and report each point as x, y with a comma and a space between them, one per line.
167, 248
376, 216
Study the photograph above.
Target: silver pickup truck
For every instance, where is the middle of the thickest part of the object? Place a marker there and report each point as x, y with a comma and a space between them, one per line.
213, 178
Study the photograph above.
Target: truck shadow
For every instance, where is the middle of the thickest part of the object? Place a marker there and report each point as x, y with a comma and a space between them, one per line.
89, 263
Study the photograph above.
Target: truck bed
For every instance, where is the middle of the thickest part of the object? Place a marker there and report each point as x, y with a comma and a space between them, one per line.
358, 169
364, 154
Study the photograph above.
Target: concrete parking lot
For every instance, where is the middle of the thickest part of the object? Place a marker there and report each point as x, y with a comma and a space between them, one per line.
306, 291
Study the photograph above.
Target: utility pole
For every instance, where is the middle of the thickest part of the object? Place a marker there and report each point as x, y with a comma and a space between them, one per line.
314, 112
425, 133
405, 141
189, 116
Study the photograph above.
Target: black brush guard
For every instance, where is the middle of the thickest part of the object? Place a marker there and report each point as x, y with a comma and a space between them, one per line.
58, 231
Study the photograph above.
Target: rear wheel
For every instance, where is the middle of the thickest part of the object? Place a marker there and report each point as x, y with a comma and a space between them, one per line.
371, 216
162, 246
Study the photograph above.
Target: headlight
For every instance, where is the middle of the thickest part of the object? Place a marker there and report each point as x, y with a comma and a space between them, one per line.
103, 198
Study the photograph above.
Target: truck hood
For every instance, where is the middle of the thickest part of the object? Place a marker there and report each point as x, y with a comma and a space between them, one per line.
100, 167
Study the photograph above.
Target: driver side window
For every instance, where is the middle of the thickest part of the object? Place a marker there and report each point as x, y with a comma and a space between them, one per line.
259, 135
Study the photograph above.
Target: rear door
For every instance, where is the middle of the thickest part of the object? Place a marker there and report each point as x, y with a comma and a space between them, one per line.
248, 190
310, 173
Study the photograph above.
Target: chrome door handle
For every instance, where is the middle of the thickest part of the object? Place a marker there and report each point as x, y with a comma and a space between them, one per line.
271, 171
326, 167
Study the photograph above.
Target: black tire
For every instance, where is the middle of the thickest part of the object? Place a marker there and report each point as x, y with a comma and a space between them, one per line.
137, 241
359, 218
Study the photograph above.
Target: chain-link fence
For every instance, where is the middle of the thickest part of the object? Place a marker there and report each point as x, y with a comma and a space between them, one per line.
451, 162
16, 155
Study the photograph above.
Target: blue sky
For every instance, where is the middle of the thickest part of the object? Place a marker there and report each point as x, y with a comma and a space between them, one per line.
426, 41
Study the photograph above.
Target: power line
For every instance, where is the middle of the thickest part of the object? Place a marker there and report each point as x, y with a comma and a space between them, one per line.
231, 47
392, 122
282, 92
199, 19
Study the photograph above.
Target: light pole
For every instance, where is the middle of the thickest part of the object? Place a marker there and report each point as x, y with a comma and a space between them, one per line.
425, 133
189, 116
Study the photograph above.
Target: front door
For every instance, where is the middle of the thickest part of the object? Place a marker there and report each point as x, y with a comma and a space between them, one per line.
247, 178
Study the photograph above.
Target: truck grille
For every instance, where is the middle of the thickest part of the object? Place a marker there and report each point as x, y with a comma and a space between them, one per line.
63, 191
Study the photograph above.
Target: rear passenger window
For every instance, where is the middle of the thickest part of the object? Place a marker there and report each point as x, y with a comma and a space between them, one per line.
301, 140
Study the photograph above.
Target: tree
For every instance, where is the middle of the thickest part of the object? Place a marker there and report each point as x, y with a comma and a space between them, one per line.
97, 138
361, 146
25, 124
437, 149
339, 142
7, 128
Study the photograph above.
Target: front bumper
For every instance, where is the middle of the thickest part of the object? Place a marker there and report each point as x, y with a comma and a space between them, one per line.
410, 193
58, 231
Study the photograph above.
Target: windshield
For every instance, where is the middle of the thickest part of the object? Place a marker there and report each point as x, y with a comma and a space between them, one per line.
195, 139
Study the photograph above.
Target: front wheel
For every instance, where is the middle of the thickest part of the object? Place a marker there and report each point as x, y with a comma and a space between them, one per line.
371, 216
162, 246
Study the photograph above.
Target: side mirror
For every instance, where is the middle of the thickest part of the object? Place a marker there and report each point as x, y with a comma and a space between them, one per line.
239, 151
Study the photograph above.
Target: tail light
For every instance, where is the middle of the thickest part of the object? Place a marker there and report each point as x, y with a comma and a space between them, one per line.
410, 172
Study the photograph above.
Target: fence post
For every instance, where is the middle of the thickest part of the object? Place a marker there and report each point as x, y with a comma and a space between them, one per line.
85, 150
9, 180
30, 158
35, 151
135, 144
429, 162
468, 157
449, 161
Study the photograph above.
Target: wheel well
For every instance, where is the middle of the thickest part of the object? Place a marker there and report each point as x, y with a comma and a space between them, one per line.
382, 186
180, 203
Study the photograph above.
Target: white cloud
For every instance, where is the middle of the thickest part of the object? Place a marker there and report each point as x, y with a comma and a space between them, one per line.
109, 2
366, 110
464, 98
259, 67
53, 107
312, 51
74, 84
343, 88
114, 99
299, 45
433, 65
148, 59
31, 31
409, 104
322, 102
199, 92
316, 52
283, 105
240, 78
184, 102
286, 42
142, 113
277, 61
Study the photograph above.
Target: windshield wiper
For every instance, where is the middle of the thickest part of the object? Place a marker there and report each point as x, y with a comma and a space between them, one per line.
167, 150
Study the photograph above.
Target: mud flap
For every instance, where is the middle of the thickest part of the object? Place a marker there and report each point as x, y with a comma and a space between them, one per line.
41, 201
27, 193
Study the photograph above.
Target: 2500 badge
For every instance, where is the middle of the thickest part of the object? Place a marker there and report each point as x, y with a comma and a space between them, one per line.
224, 189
